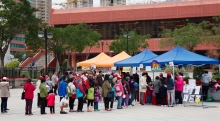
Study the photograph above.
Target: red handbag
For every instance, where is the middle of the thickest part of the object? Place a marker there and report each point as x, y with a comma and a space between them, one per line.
73, 96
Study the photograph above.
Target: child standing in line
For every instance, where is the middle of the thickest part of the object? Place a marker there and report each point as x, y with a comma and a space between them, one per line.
97, 97
51, 101
125, 93
90, 97
149, 92
112, 100
163, 93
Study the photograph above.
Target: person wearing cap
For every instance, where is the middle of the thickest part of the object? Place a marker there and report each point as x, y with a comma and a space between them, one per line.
162, 78
119, 92
55, 79
170, 89
143, 87
29, 95
4, 94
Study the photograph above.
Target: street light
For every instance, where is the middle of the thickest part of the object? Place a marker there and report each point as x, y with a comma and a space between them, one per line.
102, 42
127, 35
44, 34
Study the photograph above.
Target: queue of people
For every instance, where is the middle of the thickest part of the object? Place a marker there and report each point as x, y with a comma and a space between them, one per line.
92, 89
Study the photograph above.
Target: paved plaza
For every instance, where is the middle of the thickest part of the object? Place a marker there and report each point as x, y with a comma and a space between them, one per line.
135, 113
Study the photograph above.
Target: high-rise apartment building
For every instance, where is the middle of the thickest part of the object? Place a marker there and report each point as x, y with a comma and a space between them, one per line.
44, 7
18, 42
93, 3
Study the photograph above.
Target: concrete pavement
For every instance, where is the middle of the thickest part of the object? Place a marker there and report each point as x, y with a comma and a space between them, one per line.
135, 113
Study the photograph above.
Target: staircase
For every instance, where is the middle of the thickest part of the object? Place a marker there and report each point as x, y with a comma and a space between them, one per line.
39, 60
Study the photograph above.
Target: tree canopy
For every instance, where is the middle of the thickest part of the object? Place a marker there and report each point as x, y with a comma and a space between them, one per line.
73, 38
188, 36
135, 43
15, 17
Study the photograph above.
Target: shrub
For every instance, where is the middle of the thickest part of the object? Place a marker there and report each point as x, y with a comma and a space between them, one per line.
197, 72
12, 64
170, 70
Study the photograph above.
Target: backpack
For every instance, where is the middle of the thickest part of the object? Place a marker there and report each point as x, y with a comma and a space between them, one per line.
69, 94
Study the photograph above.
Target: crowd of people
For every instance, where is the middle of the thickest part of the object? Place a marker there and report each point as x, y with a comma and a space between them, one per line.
92, 88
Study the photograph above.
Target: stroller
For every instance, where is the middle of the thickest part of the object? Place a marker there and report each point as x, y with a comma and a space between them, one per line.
214, 85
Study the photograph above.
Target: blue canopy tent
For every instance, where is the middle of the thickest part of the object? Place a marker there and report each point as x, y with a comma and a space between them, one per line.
179, 56
135, 60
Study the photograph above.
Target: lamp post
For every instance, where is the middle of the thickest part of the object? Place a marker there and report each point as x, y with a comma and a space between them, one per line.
127, 35
102, 43
44, 34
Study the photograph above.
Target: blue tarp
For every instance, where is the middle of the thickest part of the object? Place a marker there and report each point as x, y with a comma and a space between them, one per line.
135, 60
179, 56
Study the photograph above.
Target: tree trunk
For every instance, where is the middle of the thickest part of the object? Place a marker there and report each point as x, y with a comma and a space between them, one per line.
87, 53
68, 60
2, 64
57, 63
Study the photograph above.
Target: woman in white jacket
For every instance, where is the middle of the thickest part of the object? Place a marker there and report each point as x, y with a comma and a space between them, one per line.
38, 91
72, 88
143, 87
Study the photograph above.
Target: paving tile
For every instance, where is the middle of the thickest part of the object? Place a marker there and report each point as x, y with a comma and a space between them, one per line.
134, 113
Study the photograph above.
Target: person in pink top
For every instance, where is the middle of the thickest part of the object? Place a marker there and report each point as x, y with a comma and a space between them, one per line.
51, 101
179, 83
119, 92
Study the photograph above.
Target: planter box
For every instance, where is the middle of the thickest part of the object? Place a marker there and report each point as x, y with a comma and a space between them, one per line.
214, 94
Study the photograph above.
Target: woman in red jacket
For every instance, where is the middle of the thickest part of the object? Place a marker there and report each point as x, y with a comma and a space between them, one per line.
29, 95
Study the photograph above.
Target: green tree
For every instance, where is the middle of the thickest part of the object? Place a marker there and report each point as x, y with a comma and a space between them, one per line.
135, 43
79, 37
188, 36
57, 44
15, 17
215, 40
76, 39
92, 40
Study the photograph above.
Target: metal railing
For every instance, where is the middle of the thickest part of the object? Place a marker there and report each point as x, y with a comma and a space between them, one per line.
32, 72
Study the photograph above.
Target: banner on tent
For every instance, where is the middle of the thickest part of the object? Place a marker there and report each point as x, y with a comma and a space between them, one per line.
104, 70
126, 69
85, 68
155, 66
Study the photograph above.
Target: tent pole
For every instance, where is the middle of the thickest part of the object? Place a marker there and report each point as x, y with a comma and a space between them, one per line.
153, 76
174, 101
219, 69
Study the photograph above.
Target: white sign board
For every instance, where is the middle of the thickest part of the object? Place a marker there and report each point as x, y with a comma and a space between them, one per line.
113, 68
141, 66
148, 68
192, 83
134, 71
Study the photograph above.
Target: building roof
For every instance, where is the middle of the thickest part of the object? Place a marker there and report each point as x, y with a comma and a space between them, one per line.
164, 10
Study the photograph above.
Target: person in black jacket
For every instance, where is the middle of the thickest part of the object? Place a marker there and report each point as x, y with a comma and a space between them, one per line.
163, 93
148, 79
99, 79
